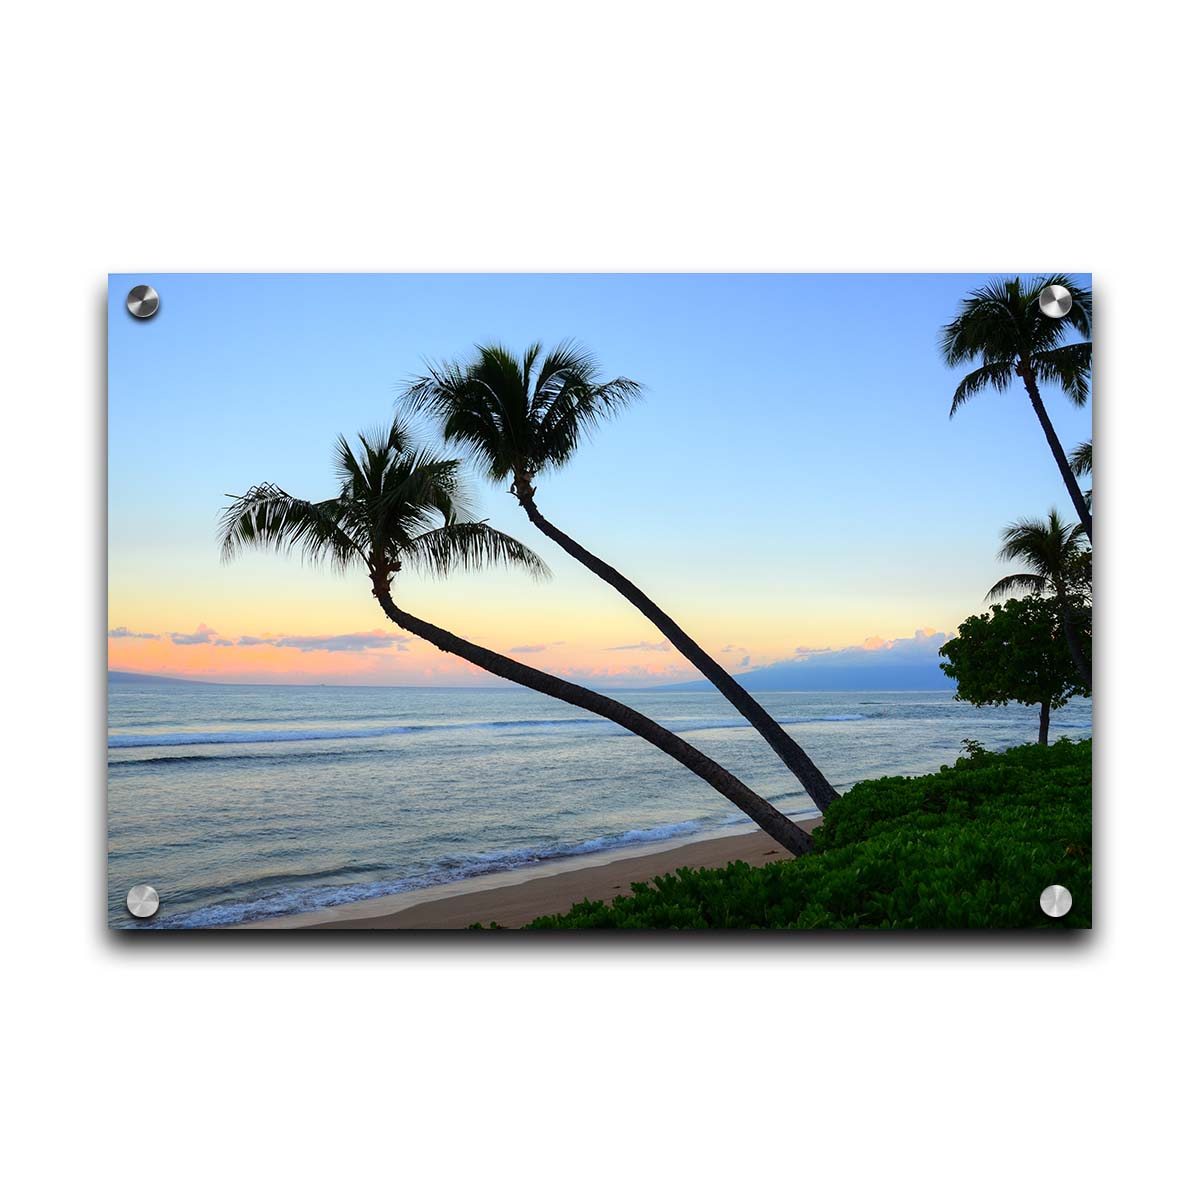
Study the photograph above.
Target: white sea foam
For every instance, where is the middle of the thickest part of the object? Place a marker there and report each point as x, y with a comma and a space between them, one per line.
298, 900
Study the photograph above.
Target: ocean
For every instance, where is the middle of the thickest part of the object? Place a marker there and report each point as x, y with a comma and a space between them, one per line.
241, 802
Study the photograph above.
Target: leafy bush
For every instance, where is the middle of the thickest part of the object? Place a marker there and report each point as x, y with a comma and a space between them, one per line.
970, 847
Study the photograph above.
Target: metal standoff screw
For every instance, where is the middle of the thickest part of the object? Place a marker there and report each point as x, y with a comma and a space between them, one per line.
1055, 300
142, 900
142, 301
1056, 901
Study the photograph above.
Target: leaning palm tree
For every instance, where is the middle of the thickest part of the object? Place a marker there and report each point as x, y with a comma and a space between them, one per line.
1003, 324
519, 418
400, 507
1081, 465
1057, 562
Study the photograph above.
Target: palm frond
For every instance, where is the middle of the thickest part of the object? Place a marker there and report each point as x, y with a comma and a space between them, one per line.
1081, 459
1080, 316
467, 413
1016, 583
513, 414
989, 325
567, 360
991, 375
1070, 367
267, 518
1051, 549
472, 546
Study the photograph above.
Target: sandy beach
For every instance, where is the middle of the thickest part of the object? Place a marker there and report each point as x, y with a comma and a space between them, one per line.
517, 897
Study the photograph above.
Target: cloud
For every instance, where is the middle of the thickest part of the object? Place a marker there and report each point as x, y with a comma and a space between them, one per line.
658, 647
632, 675
202, 636
374, 639
923, 643
805, 651
122, 632
527, 649
745, 661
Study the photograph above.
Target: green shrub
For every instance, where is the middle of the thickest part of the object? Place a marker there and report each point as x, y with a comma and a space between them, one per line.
971, 847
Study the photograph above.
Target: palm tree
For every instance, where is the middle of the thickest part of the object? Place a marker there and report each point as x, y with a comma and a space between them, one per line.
518, 418
1081, 465
399, 507
1057, 563
1003, 325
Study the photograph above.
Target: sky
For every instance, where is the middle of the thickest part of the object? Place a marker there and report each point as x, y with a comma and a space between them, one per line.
790, 481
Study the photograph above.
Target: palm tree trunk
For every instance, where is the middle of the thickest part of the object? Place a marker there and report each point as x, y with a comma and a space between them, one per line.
1044, 724
768, 818
1073, 490
793, 757
1073, 644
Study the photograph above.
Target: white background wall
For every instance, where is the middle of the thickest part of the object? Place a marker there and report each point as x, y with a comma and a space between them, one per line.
615, 136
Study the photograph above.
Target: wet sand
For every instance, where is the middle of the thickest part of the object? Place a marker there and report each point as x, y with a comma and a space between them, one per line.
517, 897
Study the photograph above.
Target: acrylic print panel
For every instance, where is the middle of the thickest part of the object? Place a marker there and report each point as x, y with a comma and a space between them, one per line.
447, 600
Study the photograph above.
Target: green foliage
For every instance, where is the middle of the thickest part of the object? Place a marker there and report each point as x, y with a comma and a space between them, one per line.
971, 847
1015, 652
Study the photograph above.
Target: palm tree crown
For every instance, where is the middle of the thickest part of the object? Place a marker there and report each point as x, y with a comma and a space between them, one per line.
1052, 550
520, 416
398, 506
1003, 324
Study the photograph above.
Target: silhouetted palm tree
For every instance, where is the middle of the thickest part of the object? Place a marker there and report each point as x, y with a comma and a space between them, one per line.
518, 418
1057, 563
1081, 465
1003, 325
399, 507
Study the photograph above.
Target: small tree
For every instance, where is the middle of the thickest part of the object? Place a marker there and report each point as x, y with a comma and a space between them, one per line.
1016, 652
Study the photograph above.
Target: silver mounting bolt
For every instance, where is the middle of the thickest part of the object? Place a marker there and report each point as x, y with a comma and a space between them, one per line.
142, 901
1055, 300
1056, 901
142, 301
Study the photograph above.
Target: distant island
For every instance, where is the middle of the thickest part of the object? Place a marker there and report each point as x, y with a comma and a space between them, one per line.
830, 677
778, 677
139, 677
900, 665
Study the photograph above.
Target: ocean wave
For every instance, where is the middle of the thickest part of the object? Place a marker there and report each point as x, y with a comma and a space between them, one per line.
275, 715
233, 737
287, 902
236, 737
219, 759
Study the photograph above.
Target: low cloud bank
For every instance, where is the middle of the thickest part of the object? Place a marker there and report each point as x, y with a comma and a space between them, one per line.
373, 639
877, 664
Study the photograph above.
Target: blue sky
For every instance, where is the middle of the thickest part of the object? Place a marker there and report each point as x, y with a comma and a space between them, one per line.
791, 477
